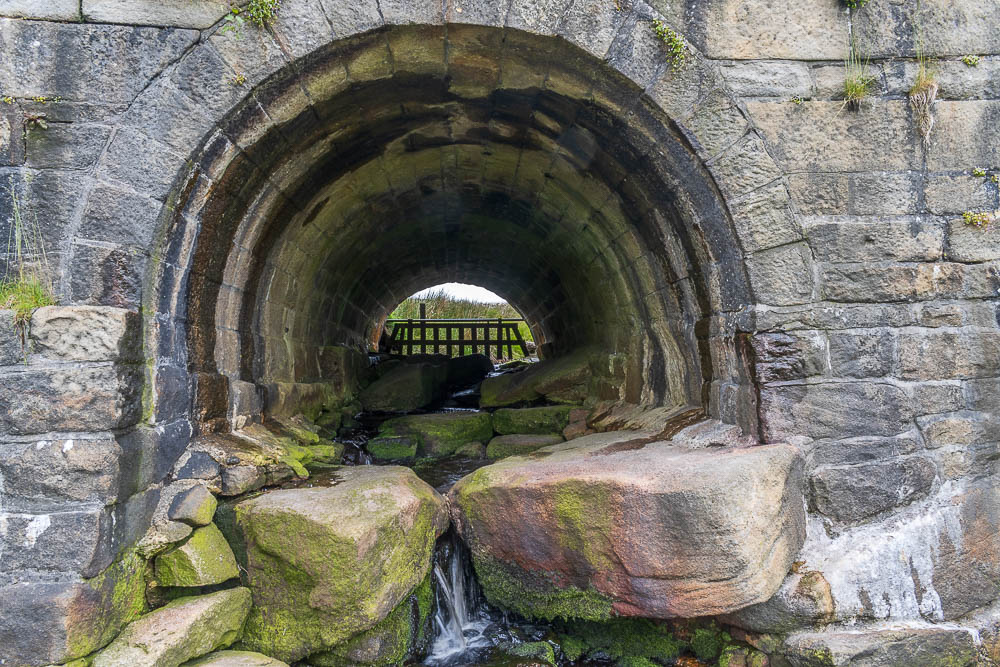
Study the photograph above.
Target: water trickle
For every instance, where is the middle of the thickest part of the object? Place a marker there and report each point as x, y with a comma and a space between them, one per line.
461, 619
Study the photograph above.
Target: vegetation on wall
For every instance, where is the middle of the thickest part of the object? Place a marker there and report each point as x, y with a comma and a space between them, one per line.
924, 90
980, 219
971, 61
25, 285
676, 49
855, 4
858, 79
262, 12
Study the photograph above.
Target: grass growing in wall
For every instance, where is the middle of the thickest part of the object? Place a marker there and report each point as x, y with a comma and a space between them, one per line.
925, 88
24, 285
858, 79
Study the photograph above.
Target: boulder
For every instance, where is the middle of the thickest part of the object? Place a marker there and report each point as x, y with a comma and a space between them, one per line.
204, 559
328, 563
612, 524
563, 380
184, 629
546, 419
472, 450
195, 507
404, 388
398, 639
393, 448
951, 647
468, 370
516, 444
804, 600
440, 434
235, 659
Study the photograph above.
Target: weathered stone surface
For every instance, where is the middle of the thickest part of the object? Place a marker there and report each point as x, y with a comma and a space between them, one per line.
85, 333
882, 648
235, 659
782, 275
440, 434
855, 493
79, 539
503, 446
804, 600
907, 238
55, 10
184, 629
45, 475
562, 380
545, 419
358, 548
747, 31
180, 13
204, 559
469, 369
195, 507
949, 354
56, 622
602, 525
404, 388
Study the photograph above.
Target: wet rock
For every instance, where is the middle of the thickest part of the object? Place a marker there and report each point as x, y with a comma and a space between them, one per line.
503, 446
473, 450
604, 525
204, 559
183, 629
235, 659
404, 387
854, 493
440, 434
327, 563
563, 380
393, 448
882, 648
468, 370
195, 507
540, 651
803, 600
546, 419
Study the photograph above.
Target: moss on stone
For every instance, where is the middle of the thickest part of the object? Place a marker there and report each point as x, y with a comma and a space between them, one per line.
204, 559
440, 434
120, 590
541, 420
504, 446
397, 448
630, 641
535, 595
709, 642
541, 651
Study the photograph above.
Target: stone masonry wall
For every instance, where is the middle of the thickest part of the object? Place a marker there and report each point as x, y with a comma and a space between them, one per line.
875, 322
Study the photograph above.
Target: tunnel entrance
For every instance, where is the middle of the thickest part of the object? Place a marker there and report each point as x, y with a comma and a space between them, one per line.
505, 159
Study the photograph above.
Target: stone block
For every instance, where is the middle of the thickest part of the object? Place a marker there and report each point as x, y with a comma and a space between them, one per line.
42, 622
782, 275
440, 434
856, 493
84, 398
946, 28
910, 646
820, 194
235, 659
195, 507
882, 282
850, 451
86, 333
12, 348
764, 218
65, 146
75, 540
184, 629
601, 525
128, 58
861, 354
834, 410
803, 601
199, 14
783, 31
146, 165
765, 78
537, 16
885, 193
957, 135
120, 216
103, 276
744, 167
51, 10
789, 356
715, 124
48, 474
204, 559
952, 194
942, 355
861, 239
968, 244
823, 137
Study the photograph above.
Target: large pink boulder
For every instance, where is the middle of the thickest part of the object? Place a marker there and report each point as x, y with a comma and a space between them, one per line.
612, 524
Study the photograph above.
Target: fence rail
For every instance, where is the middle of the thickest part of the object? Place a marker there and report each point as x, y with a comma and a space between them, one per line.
458, 335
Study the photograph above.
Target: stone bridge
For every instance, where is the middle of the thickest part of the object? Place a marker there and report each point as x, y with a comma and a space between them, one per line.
227, 210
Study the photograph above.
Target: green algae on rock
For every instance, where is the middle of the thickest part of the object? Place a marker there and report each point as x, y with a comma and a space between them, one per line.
440, 434
328, 563
204, 559
540, 420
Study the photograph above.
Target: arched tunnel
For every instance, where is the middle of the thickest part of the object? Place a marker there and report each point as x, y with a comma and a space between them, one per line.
516, 162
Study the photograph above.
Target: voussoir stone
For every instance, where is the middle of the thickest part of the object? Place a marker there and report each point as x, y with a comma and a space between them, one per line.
184, 629
613, 524
326, 563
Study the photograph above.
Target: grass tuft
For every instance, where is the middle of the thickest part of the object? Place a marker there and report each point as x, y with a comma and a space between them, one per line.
858, 79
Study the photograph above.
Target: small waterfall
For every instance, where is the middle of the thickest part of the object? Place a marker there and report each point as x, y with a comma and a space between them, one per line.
460, 619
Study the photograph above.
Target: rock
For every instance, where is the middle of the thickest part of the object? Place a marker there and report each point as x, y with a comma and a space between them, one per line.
576, 430
160, 536
195, 507
802, 601
603, 525
85, 333
402, 636
882, 648
235, 659
205, 559
468, 370
503, 446
404, 388
393, 448
473, 450
184, 629
440, 434
547, 419
540, 651
198, 465
854, 493
327, 563
562, 380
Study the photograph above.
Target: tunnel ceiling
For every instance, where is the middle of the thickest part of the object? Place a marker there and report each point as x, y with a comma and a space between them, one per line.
509, 161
